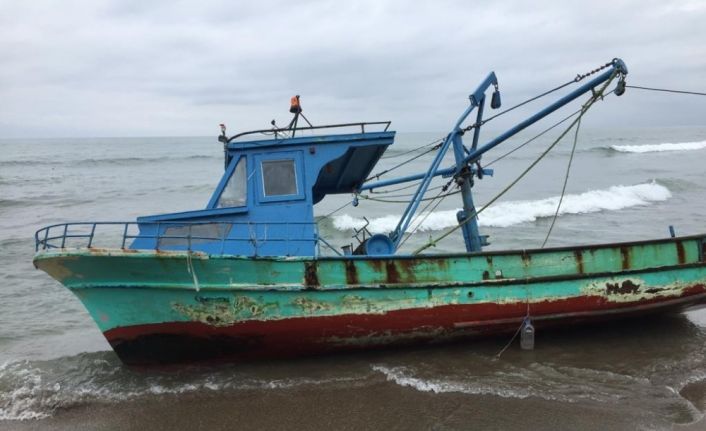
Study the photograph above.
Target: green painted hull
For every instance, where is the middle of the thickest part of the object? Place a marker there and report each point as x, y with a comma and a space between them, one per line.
173, 306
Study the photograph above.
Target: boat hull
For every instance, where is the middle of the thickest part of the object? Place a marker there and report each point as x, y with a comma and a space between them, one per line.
186, 342
161, 308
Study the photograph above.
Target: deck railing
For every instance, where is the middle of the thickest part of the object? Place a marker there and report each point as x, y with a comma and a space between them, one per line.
114, 234
285, 132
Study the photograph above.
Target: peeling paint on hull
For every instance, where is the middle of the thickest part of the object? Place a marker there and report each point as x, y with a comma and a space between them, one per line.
183, 342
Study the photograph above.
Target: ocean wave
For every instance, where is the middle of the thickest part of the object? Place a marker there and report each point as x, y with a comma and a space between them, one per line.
652, 148
6, 203
511, 213
36, 389
58, 201
404, 377
110, 161
546, 381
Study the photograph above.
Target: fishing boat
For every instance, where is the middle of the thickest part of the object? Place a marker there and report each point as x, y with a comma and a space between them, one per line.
249, 277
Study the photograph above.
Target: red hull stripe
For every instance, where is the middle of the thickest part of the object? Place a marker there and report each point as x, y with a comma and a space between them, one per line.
195, 341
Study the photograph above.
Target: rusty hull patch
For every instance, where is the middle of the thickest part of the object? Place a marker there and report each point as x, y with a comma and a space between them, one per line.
388, 337
311, 306
392, 276
57, 269
627, 287
526, 258
351, 273
311, 275
578, 255
655, 290
377, 265
220, 311
625, 256
356, 303
211, 313
245, 304
681, 254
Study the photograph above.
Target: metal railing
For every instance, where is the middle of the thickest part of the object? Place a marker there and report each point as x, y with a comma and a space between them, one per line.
284, 130
85, 235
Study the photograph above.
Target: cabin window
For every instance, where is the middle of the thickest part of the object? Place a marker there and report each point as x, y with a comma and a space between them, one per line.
279, 177
235, 193
193, 234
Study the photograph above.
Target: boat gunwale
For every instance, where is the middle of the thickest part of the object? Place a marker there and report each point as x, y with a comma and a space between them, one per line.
294, 287
441, 285
49, 253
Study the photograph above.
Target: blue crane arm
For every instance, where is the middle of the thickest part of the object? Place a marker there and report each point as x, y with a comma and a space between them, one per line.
476, 98
475, 154
618, 65
464, 156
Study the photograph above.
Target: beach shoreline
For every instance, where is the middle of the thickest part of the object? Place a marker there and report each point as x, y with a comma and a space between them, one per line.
382, 406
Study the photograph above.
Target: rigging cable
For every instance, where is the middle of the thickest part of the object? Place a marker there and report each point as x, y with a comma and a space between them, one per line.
566, 180
438, 142
399, 165
409, 186
542, 133
595, 97
337, 209
695, 93
578, 78
405, 195
391, 201
434, 142
426, 215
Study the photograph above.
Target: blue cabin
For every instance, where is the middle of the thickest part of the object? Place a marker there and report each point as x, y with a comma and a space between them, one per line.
264, 203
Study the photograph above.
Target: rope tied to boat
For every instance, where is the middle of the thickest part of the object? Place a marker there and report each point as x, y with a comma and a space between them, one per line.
566, 181
598, 95
192, 271
526, 320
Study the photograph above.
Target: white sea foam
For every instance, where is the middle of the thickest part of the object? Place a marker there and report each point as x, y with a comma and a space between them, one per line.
30, 390
547, 381
402, 377
651, 148
510, 213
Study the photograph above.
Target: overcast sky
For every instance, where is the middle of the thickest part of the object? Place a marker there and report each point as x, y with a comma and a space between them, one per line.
153, 68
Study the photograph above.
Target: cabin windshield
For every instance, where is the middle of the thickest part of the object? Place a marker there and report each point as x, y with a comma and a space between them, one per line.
236, 191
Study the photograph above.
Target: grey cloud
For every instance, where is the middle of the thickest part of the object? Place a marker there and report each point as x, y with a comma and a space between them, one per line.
134, 67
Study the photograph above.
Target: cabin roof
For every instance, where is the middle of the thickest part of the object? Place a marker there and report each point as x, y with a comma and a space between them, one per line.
348, 138
344, 163
289, 134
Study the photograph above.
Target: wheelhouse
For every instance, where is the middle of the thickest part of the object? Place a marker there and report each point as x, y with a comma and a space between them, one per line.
264, 203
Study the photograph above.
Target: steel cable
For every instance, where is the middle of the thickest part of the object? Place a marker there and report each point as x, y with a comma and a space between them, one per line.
665, 90
596, 96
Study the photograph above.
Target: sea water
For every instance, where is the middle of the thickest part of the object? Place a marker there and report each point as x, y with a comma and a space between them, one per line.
623, 185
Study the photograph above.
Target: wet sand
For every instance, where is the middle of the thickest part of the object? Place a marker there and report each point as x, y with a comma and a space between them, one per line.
381, 406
